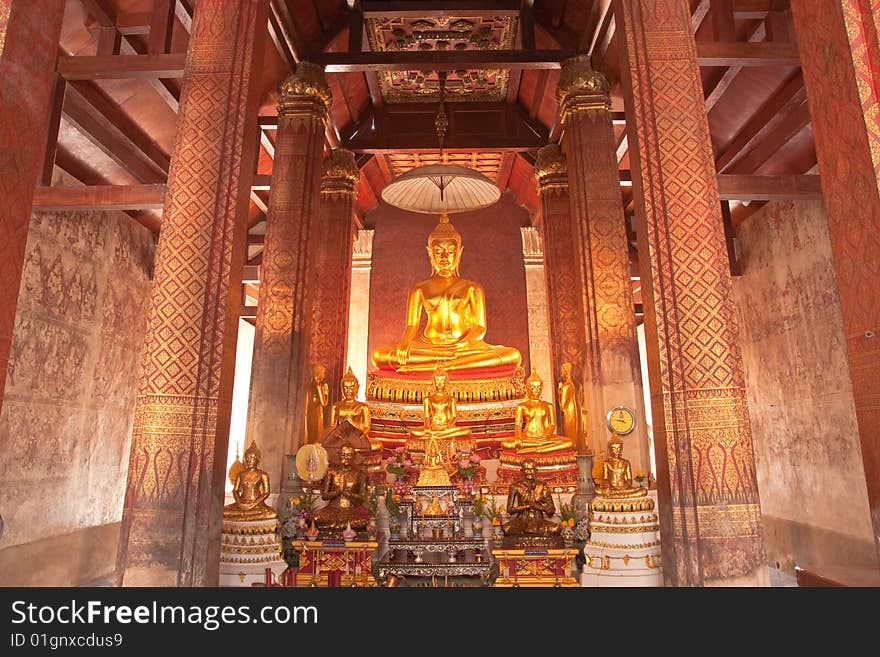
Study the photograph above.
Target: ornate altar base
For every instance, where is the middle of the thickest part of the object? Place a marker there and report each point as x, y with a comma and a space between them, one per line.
335, 563
535, 567
247, 548
557, 469
624, 545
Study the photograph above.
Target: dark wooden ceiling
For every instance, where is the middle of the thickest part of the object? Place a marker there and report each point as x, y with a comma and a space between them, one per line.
120, 131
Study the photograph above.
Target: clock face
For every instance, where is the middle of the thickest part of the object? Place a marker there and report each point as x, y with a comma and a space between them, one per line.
621, 420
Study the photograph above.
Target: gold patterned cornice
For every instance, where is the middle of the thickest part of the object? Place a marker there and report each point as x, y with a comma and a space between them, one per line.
550, 169
305, 91
340, 172
581, 89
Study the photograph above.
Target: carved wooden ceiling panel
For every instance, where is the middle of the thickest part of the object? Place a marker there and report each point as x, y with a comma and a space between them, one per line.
442, 33
486, 162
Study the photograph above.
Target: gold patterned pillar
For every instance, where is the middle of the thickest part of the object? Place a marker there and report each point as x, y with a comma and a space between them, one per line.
564, 283
710, 519
358, 353
612, 372
536, 299
335, 235
281, 368
172, 514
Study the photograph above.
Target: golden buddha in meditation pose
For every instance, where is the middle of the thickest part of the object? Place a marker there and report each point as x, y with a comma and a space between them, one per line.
440, 411
529, 501
345, 490
250, 490
535, 423
617, 474
456, 312
349, 408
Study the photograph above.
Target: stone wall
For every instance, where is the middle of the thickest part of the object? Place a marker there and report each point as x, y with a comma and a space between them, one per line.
492, 256
65, 426
810, 477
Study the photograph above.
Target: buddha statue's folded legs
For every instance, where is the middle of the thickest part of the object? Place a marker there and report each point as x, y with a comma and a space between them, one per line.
423, 357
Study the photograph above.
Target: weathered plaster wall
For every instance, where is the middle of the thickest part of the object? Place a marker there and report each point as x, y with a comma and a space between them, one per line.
809, 466
65, 426
492, 256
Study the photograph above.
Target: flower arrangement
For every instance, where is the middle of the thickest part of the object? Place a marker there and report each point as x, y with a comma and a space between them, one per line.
493, 512
303, 506
392, 503
639, 477
566, 513
479, 505
399, 463
466, 464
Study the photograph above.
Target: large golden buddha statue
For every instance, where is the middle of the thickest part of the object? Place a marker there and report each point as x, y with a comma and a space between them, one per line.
456, 312
617, 474
535, 423
250, 490
350, 408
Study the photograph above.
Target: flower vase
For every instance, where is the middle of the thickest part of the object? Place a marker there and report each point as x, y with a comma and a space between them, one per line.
477, 527
497, 533
568, 535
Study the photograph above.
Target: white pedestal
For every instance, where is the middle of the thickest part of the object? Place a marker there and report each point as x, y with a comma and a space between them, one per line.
247, 548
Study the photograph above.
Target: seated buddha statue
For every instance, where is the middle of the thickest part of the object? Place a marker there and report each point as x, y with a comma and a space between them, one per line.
529, 500
356, 412
535, 423
617, 474
345, 491
440, 411
456, 317
250, 490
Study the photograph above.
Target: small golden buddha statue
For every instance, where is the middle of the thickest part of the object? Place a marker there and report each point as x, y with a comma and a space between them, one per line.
433, 471
529, 500
535, 423
569, 395
617, 474
456, 317
250, 490
440, 411
319, 394
350, 408
345, 490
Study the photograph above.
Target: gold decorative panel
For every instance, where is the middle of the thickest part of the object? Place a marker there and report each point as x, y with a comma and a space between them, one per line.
486, 162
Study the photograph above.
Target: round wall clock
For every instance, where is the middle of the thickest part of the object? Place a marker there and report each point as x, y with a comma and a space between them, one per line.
621, 420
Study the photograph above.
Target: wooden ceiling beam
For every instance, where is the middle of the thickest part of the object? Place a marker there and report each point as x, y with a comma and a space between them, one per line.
447, 60
100, 197
758, 9
741, 53
162, 26
166, 65
769, 188
439, 8
101, 10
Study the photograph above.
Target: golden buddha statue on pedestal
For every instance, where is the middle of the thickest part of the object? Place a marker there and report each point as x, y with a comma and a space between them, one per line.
529, 501
617, 474
356, 412
319, 393
250, 490
345, 490
440, 414
569, 395
535, 423
456, 317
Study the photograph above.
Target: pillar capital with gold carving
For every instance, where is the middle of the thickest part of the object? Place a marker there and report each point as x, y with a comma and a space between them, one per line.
581, 89
305, 92
551, 170
340, 173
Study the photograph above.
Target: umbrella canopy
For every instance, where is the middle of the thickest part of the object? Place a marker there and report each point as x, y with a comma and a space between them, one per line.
437, 188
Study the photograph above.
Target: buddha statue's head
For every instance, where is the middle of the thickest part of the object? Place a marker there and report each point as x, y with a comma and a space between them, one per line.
534, 385
615, 446
565, 370
346, 454
441, 378
252, 456
444, 248
349, 386
319, 372
528, 468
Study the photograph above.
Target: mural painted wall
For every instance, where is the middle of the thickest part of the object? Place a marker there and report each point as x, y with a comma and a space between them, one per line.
492, 256
809, 466
65, 427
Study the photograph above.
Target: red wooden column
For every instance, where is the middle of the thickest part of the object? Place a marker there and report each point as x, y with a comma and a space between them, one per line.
172, 515
840, 57
29, 33
612, 373
710, 521
281, 369
562, 271
335, 238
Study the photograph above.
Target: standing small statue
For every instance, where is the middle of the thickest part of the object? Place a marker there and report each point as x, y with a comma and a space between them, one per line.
535, 423
250, 490
350, 409
319, 394
570, 403
345, 491
529, 500
617, 474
